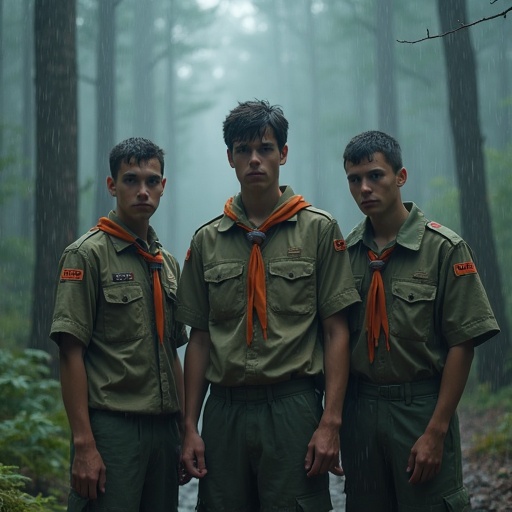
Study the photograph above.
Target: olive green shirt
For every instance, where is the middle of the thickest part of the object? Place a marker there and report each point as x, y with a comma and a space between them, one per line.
308, 278
105, 299
434, 300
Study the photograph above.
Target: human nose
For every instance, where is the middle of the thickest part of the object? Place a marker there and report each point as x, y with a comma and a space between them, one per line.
365, 186
143, 191
254, 157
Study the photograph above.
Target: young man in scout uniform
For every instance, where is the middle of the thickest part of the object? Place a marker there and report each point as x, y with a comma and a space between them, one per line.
114, 322
423, 311
267, 317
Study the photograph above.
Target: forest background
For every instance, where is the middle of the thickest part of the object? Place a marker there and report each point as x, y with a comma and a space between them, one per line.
77, 76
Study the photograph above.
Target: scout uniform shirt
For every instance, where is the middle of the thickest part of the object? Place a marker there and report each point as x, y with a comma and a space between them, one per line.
104, 298
308, 278
434, 300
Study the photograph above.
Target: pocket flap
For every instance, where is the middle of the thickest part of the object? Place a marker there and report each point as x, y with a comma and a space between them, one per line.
122, 294
413, 292
222, 272
291, 269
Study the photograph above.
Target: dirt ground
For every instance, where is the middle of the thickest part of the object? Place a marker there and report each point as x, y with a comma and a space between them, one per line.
487, 477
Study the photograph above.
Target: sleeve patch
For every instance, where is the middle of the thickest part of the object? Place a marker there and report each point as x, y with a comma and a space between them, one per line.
435, 225
72, 274
462, 269
187, 257
339, 244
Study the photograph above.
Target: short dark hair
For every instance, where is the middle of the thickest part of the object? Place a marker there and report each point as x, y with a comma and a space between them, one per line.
250, 120
366, 144
134, 148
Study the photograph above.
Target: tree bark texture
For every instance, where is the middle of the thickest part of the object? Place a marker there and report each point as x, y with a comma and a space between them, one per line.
56, 154
471, 177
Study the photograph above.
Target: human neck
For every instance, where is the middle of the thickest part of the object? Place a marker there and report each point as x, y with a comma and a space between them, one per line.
259, 207
386, 227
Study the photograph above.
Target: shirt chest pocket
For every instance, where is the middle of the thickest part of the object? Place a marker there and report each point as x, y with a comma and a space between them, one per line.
412, 316
226, 290
291, 287
124, 316
170, 309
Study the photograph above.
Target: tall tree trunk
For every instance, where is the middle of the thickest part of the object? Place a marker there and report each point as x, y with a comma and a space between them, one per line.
474, 210
56, 148
27, 201
172, 167
143, 81
386, 73
314, 103
105, 103
504, 123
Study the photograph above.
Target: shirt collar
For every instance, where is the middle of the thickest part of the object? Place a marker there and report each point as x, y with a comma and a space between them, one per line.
410, 234
226, 222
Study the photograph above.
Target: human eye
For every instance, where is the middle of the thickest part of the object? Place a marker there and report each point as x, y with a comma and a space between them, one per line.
154, 181
129, 179
375, 176
353, 179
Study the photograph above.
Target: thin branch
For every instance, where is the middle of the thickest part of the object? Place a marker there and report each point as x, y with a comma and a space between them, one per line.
462, 26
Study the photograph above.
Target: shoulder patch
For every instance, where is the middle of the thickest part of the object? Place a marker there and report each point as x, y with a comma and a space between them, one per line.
340, 245
465, 268
71, 274
447, 233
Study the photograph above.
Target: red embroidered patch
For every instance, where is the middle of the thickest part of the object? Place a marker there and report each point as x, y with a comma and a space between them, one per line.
187, 257
462, 269
435, 225
71, 274
340, 245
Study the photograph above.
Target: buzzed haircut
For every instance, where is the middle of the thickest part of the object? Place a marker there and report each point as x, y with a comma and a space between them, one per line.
134, 148
366, 144
251, 119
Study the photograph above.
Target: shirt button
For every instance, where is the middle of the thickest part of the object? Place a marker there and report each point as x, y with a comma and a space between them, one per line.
411, 296
125, 299
290, 274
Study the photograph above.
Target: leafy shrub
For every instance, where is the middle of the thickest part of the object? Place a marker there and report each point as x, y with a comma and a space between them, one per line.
14, 499
33, 426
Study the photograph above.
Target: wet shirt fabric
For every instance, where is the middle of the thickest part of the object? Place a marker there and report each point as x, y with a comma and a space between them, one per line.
104, 298
301, 257
434, 300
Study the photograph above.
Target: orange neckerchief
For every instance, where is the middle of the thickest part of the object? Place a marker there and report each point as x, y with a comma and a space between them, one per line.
156, 261
256, 289
376, 315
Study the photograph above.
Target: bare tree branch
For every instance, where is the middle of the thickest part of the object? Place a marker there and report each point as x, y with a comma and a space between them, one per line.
462, 26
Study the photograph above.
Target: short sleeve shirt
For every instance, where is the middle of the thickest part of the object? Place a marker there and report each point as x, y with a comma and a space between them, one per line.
105, 299
434, 300
308, 278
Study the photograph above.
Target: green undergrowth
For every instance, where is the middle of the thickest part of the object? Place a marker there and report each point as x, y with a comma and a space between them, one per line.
497, 438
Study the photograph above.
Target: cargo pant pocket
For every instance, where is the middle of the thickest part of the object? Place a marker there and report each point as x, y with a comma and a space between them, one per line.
319, 502
458, 501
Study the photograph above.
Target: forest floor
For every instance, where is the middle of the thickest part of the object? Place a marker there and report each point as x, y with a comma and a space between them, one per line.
488, 476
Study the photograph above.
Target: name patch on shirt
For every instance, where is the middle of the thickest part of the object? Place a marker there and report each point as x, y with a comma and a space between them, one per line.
294, 251
72, 274
122, 276
339, 244
462, 269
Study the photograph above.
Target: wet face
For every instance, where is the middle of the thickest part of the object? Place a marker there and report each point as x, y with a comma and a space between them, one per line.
257, 162
137, 189
374, 185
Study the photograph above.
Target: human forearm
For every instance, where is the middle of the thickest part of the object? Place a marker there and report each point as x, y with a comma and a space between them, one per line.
73, 379
197, 358
453, 382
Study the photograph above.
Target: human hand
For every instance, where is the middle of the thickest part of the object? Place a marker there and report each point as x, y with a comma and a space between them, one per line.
425, 458
323, 452
192, 455
88, 473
